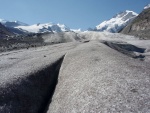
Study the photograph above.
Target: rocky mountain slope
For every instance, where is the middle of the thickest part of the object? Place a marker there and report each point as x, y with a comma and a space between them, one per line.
4, 32
117, 23
36, 39
140, 26
12, 24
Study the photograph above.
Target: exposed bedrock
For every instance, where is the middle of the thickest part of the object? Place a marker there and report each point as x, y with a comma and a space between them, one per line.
33, 94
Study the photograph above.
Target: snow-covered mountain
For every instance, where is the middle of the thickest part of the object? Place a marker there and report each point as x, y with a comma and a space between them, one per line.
12, 24
7, 23
47, 27
17, 26
140, 26
118, 22
147, 6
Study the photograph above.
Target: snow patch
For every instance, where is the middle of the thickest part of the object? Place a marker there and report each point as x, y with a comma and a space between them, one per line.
76, 30
147, 6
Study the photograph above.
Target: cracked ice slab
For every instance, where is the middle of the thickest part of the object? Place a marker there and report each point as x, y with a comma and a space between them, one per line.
95, 78
15, 65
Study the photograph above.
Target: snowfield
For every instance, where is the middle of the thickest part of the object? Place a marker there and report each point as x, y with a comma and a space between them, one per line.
89, 72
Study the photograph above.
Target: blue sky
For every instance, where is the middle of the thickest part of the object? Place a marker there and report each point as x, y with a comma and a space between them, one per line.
74, 13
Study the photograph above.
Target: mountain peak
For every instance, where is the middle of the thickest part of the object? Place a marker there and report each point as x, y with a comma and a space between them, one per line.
147, 6
126, 12
12, 23
3, 21
20, 23
118, 22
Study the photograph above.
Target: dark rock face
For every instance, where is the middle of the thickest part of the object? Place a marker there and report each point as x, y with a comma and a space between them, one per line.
140, 26
17, 31
4, 31
8, 43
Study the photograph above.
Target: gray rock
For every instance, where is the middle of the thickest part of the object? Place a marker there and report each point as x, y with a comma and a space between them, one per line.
140, 26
